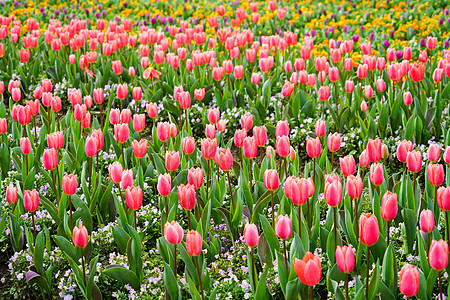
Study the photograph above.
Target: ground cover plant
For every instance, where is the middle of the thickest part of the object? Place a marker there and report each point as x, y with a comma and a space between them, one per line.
224, 149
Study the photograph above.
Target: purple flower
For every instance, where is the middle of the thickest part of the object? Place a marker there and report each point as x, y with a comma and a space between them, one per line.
346, 28
162, 20
386, 43
371, 36
355, 38
313, 33
422, 42
399, 54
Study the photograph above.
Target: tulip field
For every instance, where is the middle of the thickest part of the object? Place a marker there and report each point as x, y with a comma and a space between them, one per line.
224, 149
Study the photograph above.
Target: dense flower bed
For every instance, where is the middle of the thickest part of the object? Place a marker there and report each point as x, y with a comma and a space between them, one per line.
220, 150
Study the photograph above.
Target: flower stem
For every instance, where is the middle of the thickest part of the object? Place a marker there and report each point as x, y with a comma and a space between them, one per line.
300, 221
335, 227
34, 227
255, 280
82, 263
70, 208
199, 277
346, 286
175, 260
273, 211
135, 221
367, 273
231, 191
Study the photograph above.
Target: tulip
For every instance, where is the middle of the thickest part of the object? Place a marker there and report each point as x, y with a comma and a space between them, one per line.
186, 196
409, 280
251, 236
246, 122
287, 89
283, 146
368, 234
271, 179
162, 131
348, 166
308, 269
364, 106
320, 128
11, 194
133, 195
446, 155
3, 126
438, 258
125, 116
90, 148
69, 184
31, 200
426, 221
443, 198
208, 148
374, 150
127, 179
213, 115
139, 122
173, 232
407, 98
50, 159
283, 227
334, 142
188, 144
193, 243
313, 147
435, 174
195, 177
403, 148
434, 152
172, 160
282, 128
260, 134
210, 131
114, 116
239, 137
139, 148
324, 93
80, 236
349, 86
121, 133
250, 148
152, 110
345, 259
25, 146
354, 186
384, 151
376, 174
115, 172
414, 161
224, 159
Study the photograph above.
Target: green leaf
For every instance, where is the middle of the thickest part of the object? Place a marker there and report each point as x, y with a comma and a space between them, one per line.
171, 282
66, 247
410, 221
39, 253
388, 274
121, 238
261, 292
124, 276
270, 235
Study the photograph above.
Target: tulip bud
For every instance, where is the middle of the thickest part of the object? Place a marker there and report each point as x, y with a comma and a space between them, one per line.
389, 206
283, 227
193, 243
345, 259
426, 221
80, 236
11, 194
173, 232
409, 280
308, 269
133, 196
31, 200
251, 236
438, 255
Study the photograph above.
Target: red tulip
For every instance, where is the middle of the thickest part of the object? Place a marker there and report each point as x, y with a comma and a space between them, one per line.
348, 166
354, 186
31, 200
283, 227
188, 145
224, 159
434, 152
246, 122
403, 148
283, 146
426, 221
333, 193
334, 142
133, 196
186, 196
376, 174
271, 179
251, 236
90, 148
121, 132
25, 145
389, 206
409, 280
320, 128
193, 243
250, 148
374, 150
11, 194
208, 148
435, 174
438, 255
368, 229
50, 159
213, 115
139, 148
69, 184
308, 269
417, 72
414, 161
443, 198
260, 134
345, 259
173, 232
127, 179
195, 177
282, 128
152, 110
115, 172
164, 184
172, 160
80, 236
139, 122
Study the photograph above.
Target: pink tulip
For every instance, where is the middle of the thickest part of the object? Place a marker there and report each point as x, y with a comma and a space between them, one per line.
271, 179
354, 186
186, 196
193, 243
333, 193
283, 146
69, 184
348, 166
127, 179
283, 227
389, 206
368, 229
434, 152
414, 161
251, 236
308, 269
164, 184
172, 160
224, 159
403, 148
195, 177
250, 148
376, 174
345, 259
31, 200
121, 132
208, 148
443, 198
409, 280
334, 142
188, 144
320, 128
139, 148
80, 236
50, 159
426, 221
436, 174
438, 255
173, 232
